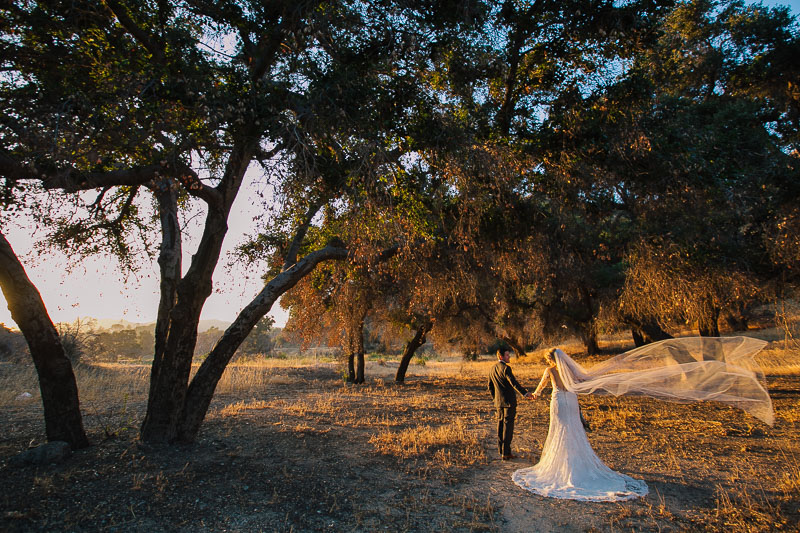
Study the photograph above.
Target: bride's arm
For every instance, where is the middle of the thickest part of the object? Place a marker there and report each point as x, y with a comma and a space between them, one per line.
542, 383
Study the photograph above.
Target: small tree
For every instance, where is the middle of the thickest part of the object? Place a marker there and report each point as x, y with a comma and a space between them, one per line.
261, 339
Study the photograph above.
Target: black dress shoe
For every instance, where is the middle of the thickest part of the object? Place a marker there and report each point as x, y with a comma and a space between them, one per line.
509, 457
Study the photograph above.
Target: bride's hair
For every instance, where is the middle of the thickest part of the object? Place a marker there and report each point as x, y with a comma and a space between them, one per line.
550, 356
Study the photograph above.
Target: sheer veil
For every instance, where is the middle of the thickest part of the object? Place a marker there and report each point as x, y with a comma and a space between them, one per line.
721, 369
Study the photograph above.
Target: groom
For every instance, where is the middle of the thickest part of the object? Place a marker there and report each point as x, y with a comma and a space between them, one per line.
503, 387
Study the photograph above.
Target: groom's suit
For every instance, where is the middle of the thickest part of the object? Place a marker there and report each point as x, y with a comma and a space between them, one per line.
503, 387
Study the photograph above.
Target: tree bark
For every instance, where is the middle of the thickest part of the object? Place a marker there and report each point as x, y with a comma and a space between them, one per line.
708, 323
353, 332
509, 100
201, 390
708, 326
647, 332
169, 262
410, 349
62, 414
169, 387
736, 317
351, 364
359, 342
589, 336
638, 337
588, 326
519, 351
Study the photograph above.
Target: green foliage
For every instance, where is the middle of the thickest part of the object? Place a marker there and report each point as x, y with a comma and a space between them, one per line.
261, 340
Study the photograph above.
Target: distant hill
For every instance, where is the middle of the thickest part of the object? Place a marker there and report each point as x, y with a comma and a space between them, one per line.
212, 323
107, 323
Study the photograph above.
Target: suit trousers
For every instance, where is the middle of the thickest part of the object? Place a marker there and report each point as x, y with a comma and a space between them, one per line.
505, 428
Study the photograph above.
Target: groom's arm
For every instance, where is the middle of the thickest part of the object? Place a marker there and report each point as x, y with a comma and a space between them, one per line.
514, 383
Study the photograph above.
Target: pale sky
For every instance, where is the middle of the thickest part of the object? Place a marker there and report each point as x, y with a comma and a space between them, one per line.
96, 290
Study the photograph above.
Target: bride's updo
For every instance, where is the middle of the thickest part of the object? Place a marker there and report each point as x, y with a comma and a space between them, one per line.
550, 357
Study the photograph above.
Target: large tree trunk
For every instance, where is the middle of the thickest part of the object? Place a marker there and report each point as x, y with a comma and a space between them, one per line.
201, 390
169, 262
514, 52
410, 349
169, 384
355, 347
62, 414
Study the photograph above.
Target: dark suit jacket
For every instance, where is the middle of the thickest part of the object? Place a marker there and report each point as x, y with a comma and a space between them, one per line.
503, 386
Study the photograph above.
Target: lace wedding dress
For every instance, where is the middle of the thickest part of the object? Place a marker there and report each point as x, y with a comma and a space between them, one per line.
679, 370
569, 468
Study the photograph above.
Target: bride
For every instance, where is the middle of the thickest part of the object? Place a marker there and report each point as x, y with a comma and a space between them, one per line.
682, 370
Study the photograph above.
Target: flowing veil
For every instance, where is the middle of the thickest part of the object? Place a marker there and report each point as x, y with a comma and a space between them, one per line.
721, 369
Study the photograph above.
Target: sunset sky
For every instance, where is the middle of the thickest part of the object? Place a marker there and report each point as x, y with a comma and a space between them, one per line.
95, 288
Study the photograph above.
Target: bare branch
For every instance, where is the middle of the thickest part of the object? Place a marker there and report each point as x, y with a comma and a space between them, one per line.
97, 204
264, 155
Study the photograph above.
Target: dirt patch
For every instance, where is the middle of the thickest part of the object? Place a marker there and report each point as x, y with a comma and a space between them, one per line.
307, 453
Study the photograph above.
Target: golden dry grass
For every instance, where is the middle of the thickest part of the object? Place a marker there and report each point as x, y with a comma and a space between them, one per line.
450, 444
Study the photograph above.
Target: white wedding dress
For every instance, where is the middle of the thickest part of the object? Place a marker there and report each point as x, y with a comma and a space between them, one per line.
569, 468
719, 369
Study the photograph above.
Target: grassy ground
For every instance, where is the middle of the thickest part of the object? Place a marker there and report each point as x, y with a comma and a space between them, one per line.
287, 446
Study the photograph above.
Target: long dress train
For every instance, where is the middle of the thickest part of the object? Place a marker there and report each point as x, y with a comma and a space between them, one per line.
568, 467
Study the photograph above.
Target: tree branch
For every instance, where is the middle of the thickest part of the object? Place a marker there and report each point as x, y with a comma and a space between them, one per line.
300, 234
262, 155
138, 33
200, 392
73, 180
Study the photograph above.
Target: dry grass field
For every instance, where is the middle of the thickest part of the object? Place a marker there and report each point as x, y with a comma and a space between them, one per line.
287, 446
